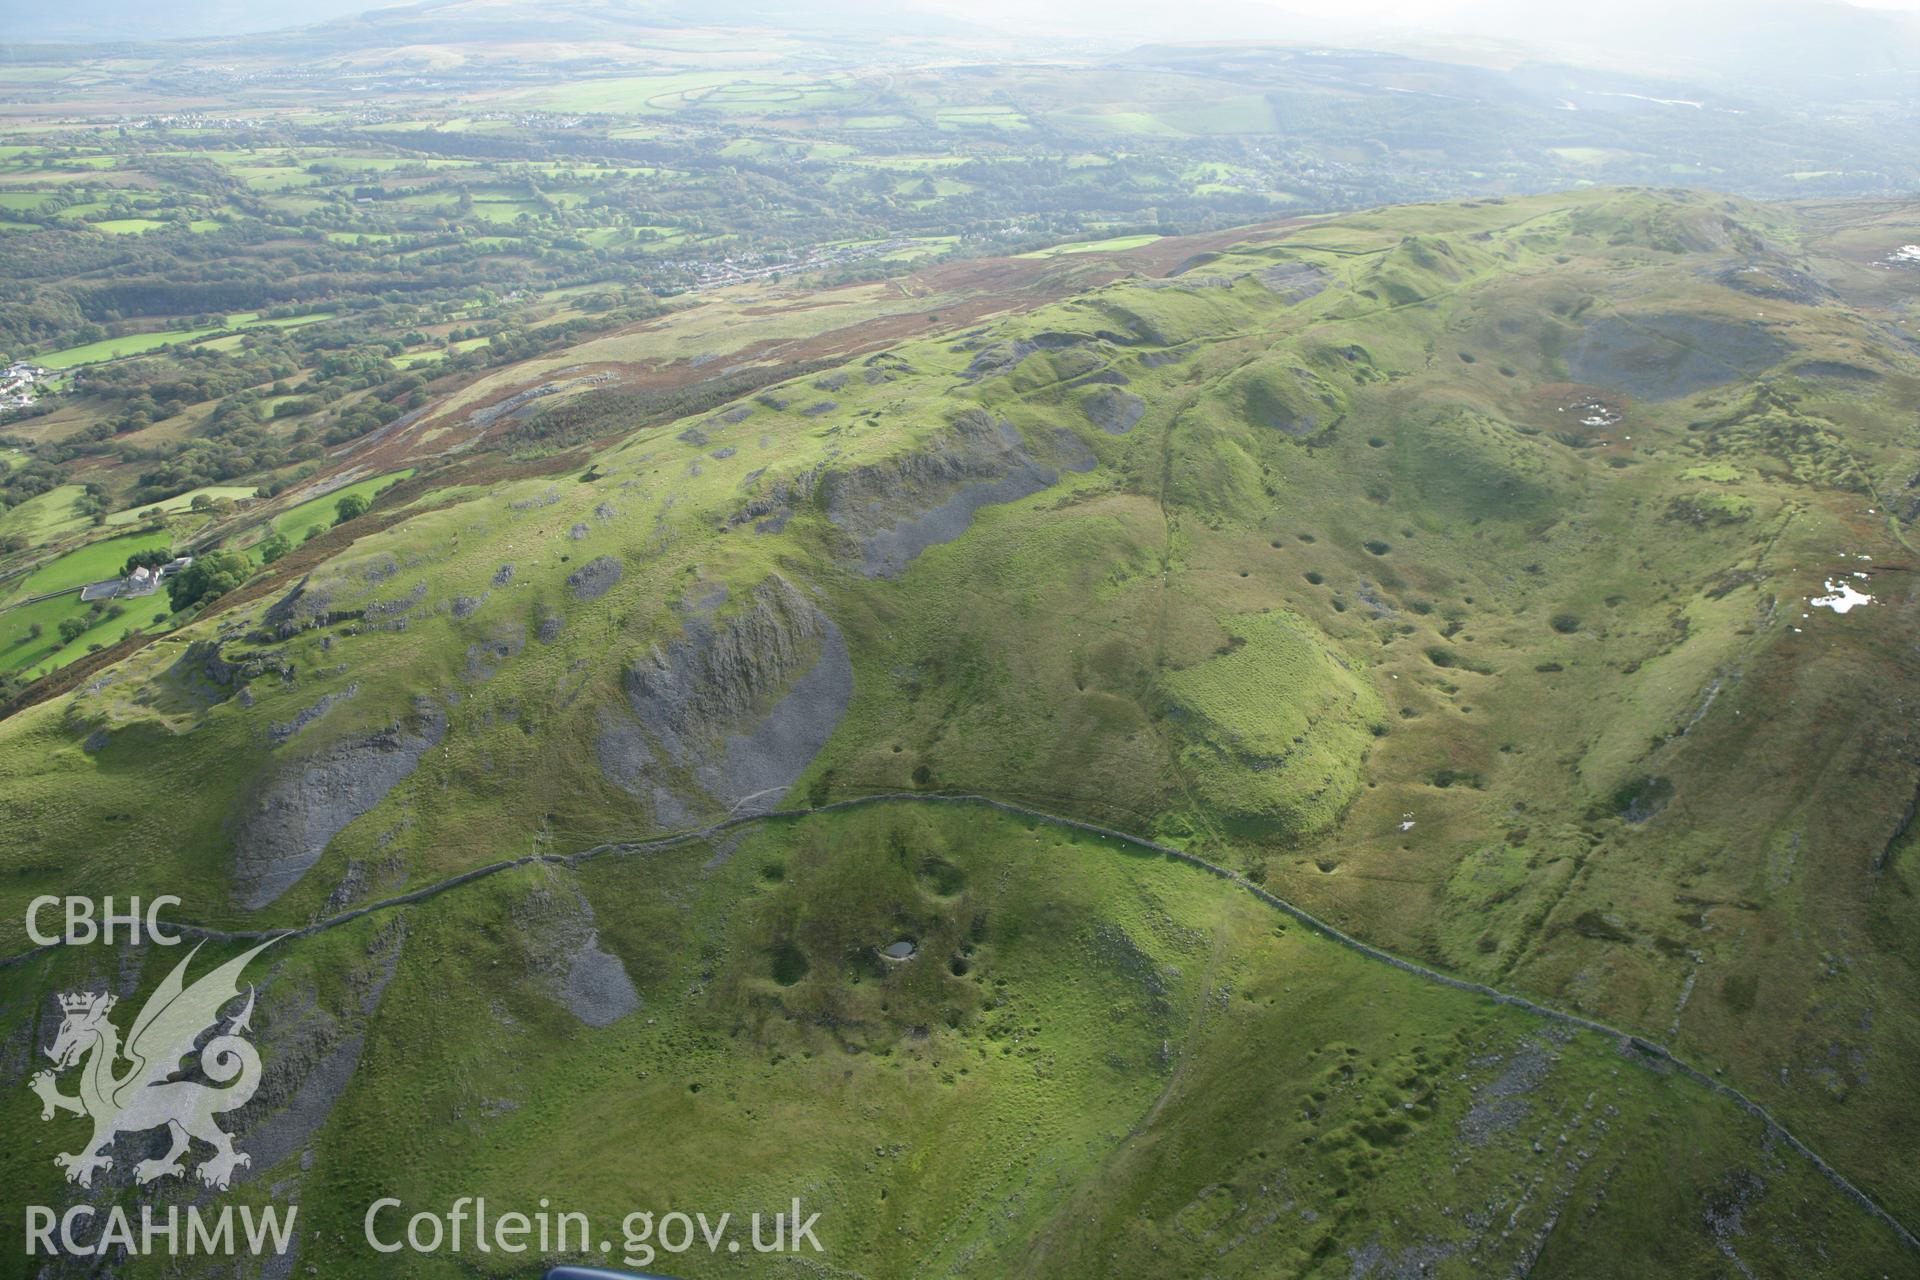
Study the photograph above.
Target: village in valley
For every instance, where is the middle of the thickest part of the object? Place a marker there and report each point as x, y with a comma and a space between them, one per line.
19, 382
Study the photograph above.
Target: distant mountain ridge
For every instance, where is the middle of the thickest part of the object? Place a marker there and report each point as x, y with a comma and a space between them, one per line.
117, 21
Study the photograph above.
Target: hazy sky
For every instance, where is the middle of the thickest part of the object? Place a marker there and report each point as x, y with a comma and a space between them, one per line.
1751, 40
1654, 36
1512, 16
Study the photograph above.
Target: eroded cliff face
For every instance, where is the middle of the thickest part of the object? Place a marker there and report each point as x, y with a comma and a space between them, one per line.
899, 507
728, 715
301, 804
311, 1049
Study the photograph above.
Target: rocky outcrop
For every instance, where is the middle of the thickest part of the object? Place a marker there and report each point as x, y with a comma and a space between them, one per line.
728, 715
770, 511
595, 578
1295, 282
898, 507
1114, 411
485, 657
311, 1053
297, 611
300, 805
1775, 280
565, 956
392, 614
1668, 355
207, 668
279, 734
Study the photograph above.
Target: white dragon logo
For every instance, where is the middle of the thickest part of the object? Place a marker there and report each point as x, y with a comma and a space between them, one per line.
142, 1096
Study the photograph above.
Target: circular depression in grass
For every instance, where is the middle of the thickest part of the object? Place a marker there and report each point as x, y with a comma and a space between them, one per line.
789, 964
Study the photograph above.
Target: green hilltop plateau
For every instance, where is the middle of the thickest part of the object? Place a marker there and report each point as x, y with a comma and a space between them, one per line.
1521, 589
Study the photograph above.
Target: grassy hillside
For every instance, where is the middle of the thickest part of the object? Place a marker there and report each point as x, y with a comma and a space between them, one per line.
1447, 571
